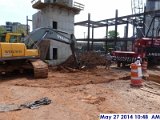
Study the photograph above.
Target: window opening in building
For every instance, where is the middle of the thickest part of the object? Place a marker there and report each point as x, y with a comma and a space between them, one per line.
54, 24
55, 53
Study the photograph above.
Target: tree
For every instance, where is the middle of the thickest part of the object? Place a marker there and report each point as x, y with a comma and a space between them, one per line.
112, 34
2, 30
20, 29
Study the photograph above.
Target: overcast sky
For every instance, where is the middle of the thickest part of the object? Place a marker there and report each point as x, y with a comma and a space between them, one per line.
17, 10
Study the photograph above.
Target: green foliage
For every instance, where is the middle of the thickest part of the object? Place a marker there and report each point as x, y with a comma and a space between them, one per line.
112, 34
20, 30
2, 30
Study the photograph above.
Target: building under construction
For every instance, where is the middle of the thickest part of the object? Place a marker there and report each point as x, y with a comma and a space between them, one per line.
15, 27
140, 20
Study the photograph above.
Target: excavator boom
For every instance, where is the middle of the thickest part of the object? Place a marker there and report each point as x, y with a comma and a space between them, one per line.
40, 34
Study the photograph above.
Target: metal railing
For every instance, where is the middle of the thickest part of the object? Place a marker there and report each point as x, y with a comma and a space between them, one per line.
75, 4
78, 5
35, 1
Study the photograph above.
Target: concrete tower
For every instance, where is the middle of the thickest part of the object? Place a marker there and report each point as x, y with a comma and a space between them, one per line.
152, 5
56, 14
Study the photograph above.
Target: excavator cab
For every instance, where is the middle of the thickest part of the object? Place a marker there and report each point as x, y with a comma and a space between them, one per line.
11, 47
10, 37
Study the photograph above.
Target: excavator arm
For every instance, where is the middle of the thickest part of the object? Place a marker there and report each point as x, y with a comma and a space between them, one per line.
33, 40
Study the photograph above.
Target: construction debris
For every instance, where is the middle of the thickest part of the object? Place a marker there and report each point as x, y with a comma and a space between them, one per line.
37, 103
87, 60
31, 105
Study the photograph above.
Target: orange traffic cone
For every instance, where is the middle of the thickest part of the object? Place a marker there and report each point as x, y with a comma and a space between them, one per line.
136, 75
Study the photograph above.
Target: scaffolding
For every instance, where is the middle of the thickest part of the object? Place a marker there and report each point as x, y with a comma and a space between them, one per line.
137, 6
123, 20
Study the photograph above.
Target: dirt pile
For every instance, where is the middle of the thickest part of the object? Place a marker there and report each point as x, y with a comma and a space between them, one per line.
86, 59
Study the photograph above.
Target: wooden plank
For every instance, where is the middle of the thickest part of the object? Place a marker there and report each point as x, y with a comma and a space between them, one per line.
154, 77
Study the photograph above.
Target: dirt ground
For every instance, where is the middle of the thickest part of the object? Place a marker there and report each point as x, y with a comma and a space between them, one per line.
78, 95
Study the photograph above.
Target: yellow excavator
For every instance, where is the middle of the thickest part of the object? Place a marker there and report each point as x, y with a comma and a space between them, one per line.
14, 55
10, 37
20, 54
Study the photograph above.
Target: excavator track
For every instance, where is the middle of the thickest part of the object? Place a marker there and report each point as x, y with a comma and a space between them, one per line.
40, 68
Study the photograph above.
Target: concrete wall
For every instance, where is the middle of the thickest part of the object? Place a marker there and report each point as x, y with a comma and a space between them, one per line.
63, 50
45, 18
63, 17
152, 5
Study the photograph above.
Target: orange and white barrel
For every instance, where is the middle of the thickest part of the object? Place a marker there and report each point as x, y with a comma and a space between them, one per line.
136, 74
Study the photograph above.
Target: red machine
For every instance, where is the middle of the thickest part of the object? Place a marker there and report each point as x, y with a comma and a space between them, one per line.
147, 47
